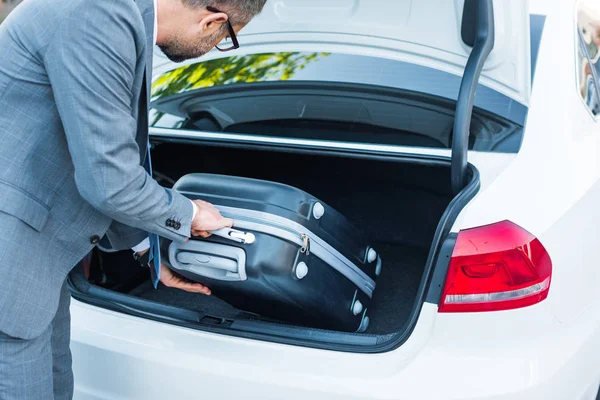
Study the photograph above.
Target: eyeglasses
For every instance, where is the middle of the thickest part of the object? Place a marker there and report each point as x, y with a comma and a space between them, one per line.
234, 41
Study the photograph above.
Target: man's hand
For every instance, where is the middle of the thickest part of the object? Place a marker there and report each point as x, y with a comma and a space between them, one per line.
208, 218
173, 280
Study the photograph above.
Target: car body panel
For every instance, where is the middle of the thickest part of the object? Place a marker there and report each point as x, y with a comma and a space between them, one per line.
523, 354
553, 182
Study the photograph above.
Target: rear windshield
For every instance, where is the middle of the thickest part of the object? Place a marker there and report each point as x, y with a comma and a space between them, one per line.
329, 96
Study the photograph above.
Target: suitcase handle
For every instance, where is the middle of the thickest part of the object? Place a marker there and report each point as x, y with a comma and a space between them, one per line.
196, 259
211, 262
235, 235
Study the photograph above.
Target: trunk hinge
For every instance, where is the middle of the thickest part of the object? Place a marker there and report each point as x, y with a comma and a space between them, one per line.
483, 35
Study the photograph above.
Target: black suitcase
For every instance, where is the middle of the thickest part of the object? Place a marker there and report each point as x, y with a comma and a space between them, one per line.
288, 256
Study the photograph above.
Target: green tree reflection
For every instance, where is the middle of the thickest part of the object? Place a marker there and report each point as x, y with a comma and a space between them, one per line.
229, 70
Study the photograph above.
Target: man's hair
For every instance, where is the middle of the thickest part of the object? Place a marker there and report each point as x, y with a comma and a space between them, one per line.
238, 11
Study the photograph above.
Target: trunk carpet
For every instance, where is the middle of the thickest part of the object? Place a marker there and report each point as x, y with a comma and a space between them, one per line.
209, 305
392, 303
397, 287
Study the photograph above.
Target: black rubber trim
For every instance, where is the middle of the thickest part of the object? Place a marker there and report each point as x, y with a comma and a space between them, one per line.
440, 269
417, 159
291, 331
468, 26
292, 335
484, 42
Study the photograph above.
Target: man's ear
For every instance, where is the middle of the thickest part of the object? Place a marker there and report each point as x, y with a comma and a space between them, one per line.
212, 21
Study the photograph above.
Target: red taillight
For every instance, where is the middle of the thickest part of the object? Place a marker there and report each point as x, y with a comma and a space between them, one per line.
496, 267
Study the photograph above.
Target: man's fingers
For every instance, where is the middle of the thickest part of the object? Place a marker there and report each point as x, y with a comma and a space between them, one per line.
178, 283
173, 280
208, 218
193, 287
218, 224
223, 223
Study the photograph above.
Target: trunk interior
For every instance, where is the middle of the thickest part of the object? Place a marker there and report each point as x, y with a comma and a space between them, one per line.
397, 202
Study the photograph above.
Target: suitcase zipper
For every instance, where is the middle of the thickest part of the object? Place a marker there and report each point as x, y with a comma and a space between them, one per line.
305, 249
286, 229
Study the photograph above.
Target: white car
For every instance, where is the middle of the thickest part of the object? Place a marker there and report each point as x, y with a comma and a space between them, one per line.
487, 222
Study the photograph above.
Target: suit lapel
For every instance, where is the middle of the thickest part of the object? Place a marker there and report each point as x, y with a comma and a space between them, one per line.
147, 11
146, 8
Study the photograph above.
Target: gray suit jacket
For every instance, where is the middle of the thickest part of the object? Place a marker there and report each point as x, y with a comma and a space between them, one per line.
73, 136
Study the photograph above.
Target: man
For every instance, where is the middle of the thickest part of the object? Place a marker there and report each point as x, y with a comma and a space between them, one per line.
74, 88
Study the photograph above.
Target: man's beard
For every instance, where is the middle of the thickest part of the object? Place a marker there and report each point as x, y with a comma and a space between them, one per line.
177, 50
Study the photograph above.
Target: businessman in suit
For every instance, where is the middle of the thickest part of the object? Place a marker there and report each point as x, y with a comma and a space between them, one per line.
74, 167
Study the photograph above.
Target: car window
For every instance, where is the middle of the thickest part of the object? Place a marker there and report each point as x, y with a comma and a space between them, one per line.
588, 53
325, 96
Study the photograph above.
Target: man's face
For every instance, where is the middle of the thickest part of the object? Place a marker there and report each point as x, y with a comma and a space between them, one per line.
194, 38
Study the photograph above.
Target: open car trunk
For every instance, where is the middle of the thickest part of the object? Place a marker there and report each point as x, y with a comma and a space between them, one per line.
397, 201
313, 122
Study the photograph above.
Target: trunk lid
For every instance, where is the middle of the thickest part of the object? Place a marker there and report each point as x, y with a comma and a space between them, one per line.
479, 41
425, 32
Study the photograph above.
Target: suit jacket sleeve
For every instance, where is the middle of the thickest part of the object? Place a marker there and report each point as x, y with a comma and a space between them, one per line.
91, 61
122, 237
